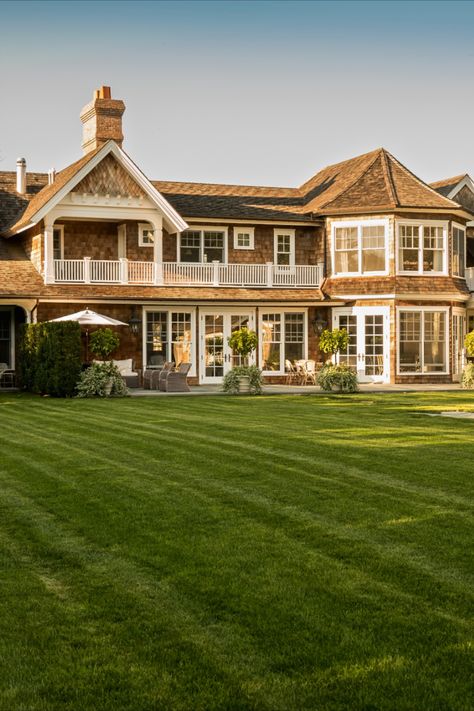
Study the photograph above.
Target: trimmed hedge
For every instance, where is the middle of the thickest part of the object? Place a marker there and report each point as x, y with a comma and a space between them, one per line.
50, 358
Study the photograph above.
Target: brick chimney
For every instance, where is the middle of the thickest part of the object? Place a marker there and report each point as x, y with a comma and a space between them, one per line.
101, 120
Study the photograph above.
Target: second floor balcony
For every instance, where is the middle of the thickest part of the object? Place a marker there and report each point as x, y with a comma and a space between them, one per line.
213, 274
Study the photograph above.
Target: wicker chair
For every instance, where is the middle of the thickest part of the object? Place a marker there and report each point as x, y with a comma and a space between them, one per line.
176, 380
167, 368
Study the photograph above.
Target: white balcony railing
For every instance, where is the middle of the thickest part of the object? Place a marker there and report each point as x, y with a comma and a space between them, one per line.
470, 278
123, 271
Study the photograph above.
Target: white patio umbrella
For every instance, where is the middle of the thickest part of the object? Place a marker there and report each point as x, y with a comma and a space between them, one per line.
90, 318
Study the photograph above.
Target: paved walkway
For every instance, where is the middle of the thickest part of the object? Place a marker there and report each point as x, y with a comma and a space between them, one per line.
301, 389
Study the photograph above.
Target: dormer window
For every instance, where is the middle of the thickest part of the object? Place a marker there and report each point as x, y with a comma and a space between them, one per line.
146, 236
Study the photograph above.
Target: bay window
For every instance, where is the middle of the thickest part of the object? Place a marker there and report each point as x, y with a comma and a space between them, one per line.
459, 251
203, 245
422, 341
360, 248
168, 337
283, 338
422, 248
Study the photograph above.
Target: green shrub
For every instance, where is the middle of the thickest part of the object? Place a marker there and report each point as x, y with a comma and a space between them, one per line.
94, 381
467, 380
50, 357
333, 341
103, 342
469, 344
244, 342
231, 380
338, 377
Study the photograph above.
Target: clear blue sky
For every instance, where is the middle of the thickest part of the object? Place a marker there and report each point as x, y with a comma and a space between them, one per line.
244, 92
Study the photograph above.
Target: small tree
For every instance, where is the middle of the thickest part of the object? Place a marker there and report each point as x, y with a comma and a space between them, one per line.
244, 342
333, 341
469, 344
103, 342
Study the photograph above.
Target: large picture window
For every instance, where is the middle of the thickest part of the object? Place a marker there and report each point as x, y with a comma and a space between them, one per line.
422, 342
360, 248
422, 248
203, 245
459, 251
168, 337
283, 338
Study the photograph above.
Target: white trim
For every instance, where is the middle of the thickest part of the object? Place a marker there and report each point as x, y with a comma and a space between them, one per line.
359, 224
59, 228
457, 226
145, 227
238, 310
270, 308
422, 223
360, 312
283, 233
428, 309
244, 230
169, 309
203, 228
174, 220
465, 182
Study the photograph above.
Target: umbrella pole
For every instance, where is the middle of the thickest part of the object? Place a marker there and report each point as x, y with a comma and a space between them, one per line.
87, 345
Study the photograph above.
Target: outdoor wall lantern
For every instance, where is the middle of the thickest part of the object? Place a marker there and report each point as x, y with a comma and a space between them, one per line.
134, 322
319, 324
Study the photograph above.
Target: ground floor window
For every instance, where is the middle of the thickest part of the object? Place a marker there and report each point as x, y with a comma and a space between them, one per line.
5, 337
422, 341
168, 337
283, 336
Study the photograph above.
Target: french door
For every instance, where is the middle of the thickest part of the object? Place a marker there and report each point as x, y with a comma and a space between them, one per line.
216, 356
459, 334
368, 351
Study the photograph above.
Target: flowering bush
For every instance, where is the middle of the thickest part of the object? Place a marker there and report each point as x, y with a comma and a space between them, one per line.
101, 380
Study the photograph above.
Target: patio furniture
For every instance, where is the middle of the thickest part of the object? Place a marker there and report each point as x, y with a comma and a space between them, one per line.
309, 372
291, 373
7, 377
176, 380
167, 368
128, 372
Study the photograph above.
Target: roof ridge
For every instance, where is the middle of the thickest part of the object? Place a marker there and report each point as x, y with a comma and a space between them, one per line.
389, 179
449, 181
360, 175
227, 185
419, 180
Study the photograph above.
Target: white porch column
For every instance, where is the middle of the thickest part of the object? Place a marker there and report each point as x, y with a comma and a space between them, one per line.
49, 253
158, 251
269, 273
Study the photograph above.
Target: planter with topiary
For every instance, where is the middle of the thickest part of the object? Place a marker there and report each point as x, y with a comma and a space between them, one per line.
243, 342
336, 377
103, 343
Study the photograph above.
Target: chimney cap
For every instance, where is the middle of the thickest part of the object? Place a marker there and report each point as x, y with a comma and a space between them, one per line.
104, 92
21, 161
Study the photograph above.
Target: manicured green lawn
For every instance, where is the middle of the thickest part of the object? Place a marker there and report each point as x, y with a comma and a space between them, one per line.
271, 553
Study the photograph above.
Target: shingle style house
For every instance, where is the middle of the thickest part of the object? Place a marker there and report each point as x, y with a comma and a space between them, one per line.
363, 245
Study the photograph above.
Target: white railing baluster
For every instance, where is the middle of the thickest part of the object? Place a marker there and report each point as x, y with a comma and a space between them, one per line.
470, 278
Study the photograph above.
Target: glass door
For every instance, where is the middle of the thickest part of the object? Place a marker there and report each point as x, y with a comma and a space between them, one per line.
368, 348
217, 358
459, 334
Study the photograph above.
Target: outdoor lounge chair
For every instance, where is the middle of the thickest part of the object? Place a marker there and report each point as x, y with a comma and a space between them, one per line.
164, 372
176, 380
128, 372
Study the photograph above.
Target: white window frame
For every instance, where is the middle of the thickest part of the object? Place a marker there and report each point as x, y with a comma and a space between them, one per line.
59, 228
421, 224
457, 226
281, 311
244, 230
11, 311
419, 309
142, 228
359, 224
169, 310
284, 233
202, 229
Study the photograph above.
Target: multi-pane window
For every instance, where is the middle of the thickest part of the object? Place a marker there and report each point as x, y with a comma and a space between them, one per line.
283, 338
284, 247
459, 252
422, 342
168, 337
421, 248
202, 246
146, 237
243, 237
58, 243
360, 249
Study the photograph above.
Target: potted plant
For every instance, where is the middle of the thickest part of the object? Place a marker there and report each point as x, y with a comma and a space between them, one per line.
103, 343
467, 380
244, 342
337, 377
